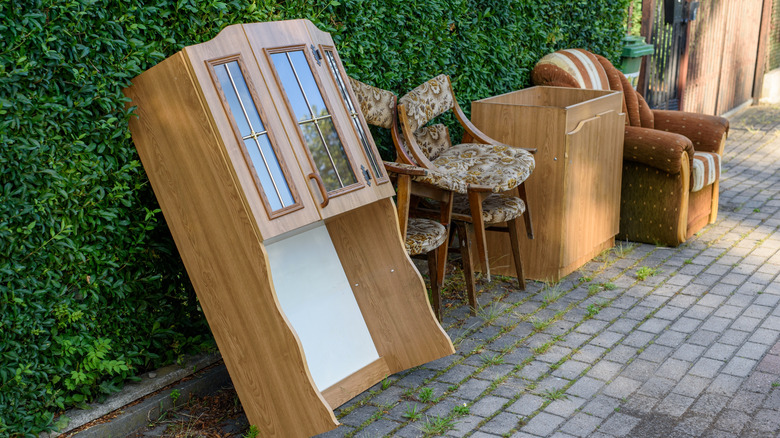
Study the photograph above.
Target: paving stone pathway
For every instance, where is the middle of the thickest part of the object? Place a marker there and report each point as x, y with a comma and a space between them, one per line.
643, 341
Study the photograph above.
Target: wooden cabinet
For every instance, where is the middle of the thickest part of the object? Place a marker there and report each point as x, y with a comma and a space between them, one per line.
574, 192
275, 195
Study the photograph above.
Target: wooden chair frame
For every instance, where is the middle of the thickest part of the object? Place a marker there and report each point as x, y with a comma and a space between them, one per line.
476, 193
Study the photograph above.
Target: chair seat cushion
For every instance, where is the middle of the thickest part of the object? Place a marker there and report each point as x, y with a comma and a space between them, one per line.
424, 235
500, 168
705, 171
496, 208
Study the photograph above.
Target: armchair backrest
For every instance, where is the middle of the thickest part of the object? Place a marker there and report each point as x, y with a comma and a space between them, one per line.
580, 68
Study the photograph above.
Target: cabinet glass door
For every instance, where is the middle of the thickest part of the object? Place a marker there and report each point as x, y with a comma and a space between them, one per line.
267, 169
314, 120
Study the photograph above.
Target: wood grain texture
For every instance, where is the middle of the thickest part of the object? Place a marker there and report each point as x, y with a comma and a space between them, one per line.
388, 288
219, 242
357, 382
592, 185
572, 155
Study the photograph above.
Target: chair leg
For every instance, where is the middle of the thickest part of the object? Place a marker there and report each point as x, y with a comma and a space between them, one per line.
514, 240
435, 290
529, 227
480, 235
468, 268
444, 218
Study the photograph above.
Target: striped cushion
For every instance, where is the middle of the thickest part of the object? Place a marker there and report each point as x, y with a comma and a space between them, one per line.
579, 64
706, 169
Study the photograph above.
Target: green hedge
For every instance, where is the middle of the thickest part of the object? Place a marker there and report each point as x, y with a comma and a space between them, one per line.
92, 291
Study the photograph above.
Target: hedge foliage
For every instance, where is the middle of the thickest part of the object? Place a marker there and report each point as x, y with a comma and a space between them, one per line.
92, 291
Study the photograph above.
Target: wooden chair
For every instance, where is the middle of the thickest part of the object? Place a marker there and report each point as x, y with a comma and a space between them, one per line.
494, 172
422, 235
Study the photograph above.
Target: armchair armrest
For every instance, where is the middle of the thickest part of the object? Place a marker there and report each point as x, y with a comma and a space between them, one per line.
658, 149
705, 132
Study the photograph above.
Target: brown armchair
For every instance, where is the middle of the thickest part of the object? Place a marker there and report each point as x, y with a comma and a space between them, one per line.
671, 166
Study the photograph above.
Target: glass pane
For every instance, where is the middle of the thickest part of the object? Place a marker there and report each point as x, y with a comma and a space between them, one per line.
319, 154
232, 99
262, 172
337, 77
367, 147
246, 98
337, 152
276, 170
250, 125
353, 113
308, 84
291, 88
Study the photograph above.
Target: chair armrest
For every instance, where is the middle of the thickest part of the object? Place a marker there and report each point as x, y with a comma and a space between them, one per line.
705, 132
405, 169
658, 149
472, 134
433, 177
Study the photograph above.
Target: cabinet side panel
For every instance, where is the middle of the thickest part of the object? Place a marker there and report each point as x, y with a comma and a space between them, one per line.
592, 199
541, 128
387, 286
223, 254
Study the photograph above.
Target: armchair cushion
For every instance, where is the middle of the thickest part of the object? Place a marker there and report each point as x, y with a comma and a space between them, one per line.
497, 167
705, 170
496, 208
427, 101
424, 235
706, 132
658, 149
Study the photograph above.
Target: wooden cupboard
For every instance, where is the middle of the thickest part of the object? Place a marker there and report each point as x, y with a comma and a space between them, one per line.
282, 212
574, 191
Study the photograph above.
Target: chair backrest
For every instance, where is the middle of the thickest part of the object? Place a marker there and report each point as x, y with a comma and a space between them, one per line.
379, 109
580, 68
421, 105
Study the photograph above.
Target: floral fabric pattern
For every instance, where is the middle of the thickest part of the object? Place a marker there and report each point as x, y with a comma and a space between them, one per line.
377, 105
432, 140
496, 208
436, 178
424, 235
498, 167
427, 101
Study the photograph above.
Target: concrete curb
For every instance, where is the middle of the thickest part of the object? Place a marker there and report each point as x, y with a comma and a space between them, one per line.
138, 416
149, 384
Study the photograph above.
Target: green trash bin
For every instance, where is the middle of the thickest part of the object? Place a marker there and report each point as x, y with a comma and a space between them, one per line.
634, 48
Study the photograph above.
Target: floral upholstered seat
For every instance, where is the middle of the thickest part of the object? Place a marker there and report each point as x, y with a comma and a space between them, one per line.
488, 167
489, 164
496, 208
424, 235
498, 167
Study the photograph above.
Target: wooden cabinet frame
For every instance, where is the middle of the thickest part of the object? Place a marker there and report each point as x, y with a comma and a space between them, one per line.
244, 261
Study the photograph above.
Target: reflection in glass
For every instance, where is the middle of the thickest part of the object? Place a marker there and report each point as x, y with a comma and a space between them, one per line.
253, 132
353, 113
318, 131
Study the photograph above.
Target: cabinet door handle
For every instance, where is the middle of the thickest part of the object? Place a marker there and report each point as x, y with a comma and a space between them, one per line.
321, 185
